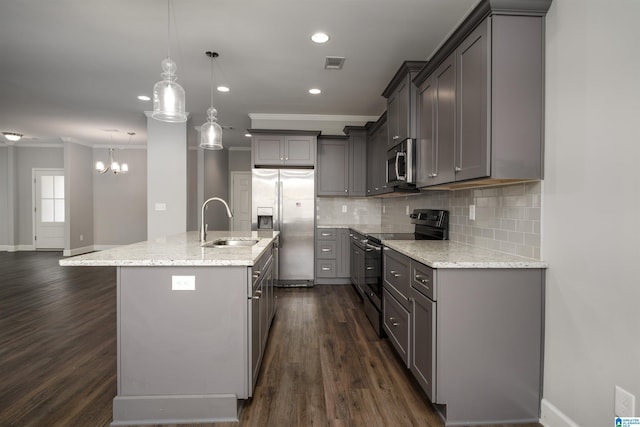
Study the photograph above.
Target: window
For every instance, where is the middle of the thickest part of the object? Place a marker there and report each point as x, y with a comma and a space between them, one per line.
52, 199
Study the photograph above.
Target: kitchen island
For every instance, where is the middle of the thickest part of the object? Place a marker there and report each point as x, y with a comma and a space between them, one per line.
192, 325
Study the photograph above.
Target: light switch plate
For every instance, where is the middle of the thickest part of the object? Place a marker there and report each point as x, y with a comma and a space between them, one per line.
472, 212
183, 283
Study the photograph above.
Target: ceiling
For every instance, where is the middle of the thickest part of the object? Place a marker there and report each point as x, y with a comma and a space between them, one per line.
71, 70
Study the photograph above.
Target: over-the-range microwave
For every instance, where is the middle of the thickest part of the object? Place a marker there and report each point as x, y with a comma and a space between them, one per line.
401, 164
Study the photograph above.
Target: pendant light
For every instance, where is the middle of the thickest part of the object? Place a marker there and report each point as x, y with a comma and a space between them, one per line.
168, 95
211, 131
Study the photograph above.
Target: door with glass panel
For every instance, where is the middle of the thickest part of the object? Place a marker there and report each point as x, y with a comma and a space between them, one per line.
48, 208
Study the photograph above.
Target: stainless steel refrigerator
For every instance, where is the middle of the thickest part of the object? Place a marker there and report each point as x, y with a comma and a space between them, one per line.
284, 200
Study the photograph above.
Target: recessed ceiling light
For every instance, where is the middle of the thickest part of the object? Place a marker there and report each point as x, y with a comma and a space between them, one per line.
248, 135
320, 38
144, 98
12, 136
223, 89
315, 91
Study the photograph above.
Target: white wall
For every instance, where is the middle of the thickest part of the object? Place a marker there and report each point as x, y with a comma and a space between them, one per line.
5, 204
166, 178
78, 183
120, 201
592, 153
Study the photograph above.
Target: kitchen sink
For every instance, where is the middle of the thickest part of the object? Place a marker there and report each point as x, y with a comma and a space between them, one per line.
229, 243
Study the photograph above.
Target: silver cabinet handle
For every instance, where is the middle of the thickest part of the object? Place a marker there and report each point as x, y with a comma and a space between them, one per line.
326, 250
394, 273
326, 268
458, 168
346, 190
369, 268
325, 234
421, 279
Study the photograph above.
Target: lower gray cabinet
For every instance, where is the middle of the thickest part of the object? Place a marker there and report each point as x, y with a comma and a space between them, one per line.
472, 337
332, 256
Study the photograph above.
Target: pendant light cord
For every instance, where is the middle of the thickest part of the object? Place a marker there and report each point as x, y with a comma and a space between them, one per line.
168, 28
211, 81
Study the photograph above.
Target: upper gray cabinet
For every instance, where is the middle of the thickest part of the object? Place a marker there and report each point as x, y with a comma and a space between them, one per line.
401, 98
332, 174
480, 100
376, 157
342, 164
277, 148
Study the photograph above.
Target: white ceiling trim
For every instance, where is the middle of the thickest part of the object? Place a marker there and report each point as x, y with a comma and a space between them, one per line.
313, 117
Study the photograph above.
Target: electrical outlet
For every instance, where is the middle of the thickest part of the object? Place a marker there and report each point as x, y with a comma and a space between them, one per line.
472, 212
81, 237
407, 209
183, 283
161, 207
625, 403
384, 209
344, 208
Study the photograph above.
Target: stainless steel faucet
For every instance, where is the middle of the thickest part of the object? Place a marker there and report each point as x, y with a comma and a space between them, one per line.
203, 226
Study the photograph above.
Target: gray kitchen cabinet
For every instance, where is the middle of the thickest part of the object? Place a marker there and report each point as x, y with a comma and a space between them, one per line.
332, 174
357, 261
342, 164
436, 112
376, 157
357, 160
498, 98
332, 256
271, 148
401, 97
464, 330
261, 311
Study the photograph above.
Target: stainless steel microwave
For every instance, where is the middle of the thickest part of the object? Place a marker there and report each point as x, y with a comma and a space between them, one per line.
401, 164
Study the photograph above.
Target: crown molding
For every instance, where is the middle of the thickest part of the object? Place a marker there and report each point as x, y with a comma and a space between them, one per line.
312, 117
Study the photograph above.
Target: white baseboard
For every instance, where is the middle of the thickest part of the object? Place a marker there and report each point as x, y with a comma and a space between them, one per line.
550, 416
78, 251
8, 248
104, 247
26, 248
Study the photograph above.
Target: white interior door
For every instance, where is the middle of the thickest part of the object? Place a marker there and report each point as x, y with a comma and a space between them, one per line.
48, 208
241, 201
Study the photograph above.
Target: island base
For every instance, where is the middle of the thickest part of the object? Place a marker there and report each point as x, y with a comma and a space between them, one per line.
177, 409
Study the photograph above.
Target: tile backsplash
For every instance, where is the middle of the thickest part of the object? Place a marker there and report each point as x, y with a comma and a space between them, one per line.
347, 210
507, 217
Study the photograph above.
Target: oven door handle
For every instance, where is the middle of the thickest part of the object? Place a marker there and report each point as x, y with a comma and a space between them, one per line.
398, 155
373, 248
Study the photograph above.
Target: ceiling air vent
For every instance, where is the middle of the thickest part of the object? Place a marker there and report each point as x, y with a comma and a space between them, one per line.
333, 62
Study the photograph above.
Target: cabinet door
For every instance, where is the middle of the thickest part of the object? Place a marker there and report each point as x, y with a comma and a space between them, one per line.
358, 164
333, 164
342, 253
423, 360
425, 141
445, 122
404, 109
393, 132
267, 150
299, 150
472, 92
396, 325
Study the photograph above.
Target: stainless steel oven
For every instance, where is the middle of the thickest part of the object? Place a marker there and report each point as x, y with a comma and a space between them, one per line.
430, 224
401, 162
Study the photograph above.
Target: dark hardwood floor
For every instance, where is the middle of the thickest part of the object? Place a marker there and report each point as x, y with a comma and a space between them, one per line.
323, 366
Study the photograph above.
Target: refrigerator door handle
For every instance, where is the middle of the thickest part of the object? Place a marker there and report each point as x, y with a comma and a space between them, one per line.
280, 205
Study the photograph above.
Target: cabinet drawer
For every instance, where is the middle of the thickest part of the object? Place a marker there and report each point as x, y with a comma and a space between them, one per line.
397, 275
326, 250
423, 279
396, 324
326, 268
326, 234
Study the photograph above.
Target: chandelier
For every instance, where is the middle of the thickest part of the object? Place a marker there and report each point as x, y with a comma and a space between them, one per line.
112, 165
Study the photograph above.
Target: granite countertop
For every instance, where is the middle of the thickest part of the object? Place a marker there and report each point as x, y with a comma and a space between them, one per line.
448, 254
179, 250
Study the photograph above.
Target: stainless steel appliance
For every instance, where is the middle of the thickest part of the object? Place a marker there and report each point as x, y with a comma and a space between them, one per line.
430, 224
401, 162
283, 200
